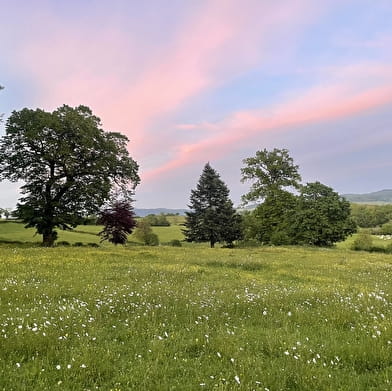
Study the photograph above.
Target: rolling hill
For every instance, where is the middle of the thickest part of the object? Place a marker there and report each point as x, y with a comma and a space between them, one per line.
382, 196
157, 211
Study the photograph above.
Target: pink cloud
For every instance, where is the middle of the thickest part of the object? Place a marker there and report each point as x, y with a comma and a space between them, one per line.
131, 88
318, 104
100, 67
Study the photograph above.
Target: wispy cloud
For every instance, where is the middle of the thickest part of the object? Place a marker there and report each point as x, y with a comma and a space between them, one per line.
199, 81
314, 105
221, 40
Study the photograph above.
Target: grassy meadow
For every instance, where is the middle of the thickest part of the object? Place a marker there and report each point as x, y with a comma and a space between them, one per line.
193, 318
11, 232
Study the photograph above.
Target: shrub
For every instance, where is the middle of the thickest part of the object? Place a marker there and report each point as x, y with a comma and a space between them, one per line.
388, 248
175, 243
92, 244
386, 229
78, 244
248, 243
90, 220
151, 239
377, 249
63, 243
363, 242
144, 233
279, 238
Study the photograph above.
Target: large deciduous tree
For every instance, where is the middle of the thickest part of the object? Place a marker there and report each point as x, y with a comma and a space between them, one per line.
68, 163
321, 218
212, 217
270, 172
316, 216
269, 222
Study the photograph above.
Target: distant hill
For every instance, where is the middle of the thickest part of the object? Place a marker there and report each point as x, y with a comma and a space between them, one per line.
382, 196
157, 211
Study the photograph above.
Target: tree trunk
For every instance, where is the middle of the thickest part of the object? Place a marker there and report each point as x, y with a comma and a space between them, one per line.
212, 244
48, 238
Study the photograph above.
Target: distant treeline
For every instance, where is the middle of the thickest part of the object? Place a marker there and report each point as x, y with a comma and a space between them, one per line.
157, 220
372, 216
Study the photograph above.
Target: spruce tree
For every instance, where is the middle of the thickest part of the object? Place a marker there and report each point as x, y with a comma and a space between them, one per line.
212, 217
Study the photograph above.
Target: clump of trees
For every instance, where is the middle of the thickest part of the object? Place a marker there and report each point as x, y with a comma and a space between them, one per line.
68, 163
5, 212
287, 211
364, 242
371, 216
212, 217
71, 167
157, 220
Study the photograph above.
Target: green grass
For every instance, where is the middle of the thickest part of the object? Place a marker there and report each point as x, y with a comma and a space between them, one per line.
194, 318
377, 242
15, 232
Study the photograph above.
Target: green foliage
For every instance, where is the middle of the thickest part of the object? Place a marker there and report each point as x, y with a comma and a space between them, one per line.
151, 239
269, 223
175, 243
90, 220
386, 229
157, 220
68, 163
317, 216
371, 243
370, 216
388, 248
212, 217
248, 243
63, 243
144, 233
269, 172
5, 212
363, 242
322, 217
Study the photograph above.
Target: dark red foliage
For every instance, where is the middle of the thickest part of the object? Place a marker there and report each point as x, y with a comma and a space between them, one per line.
118, 221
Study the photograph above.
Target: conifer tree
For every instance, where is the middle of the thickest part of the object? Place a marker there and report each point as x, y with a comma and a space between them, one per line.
212, 217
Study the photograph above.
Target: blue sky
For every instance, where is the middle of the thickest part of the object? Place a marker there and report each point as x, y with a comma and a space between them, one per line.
217, 80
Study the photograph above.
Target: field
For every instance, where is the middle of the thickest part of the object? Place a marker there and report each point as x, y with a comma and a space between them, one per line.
194, 318
15, 232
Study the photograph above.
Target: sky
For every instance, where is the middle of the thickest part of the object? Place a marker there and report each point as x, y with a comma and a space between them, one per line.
191, 82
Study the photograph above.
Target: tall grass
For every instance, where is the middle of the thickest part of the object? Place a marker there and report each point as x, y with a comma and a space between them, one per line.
193, 318
15, 232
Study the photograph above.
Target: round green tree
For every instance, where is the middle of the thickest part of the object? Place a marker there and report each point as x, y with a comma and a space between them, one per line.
68, 164
322, 217
269, 172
